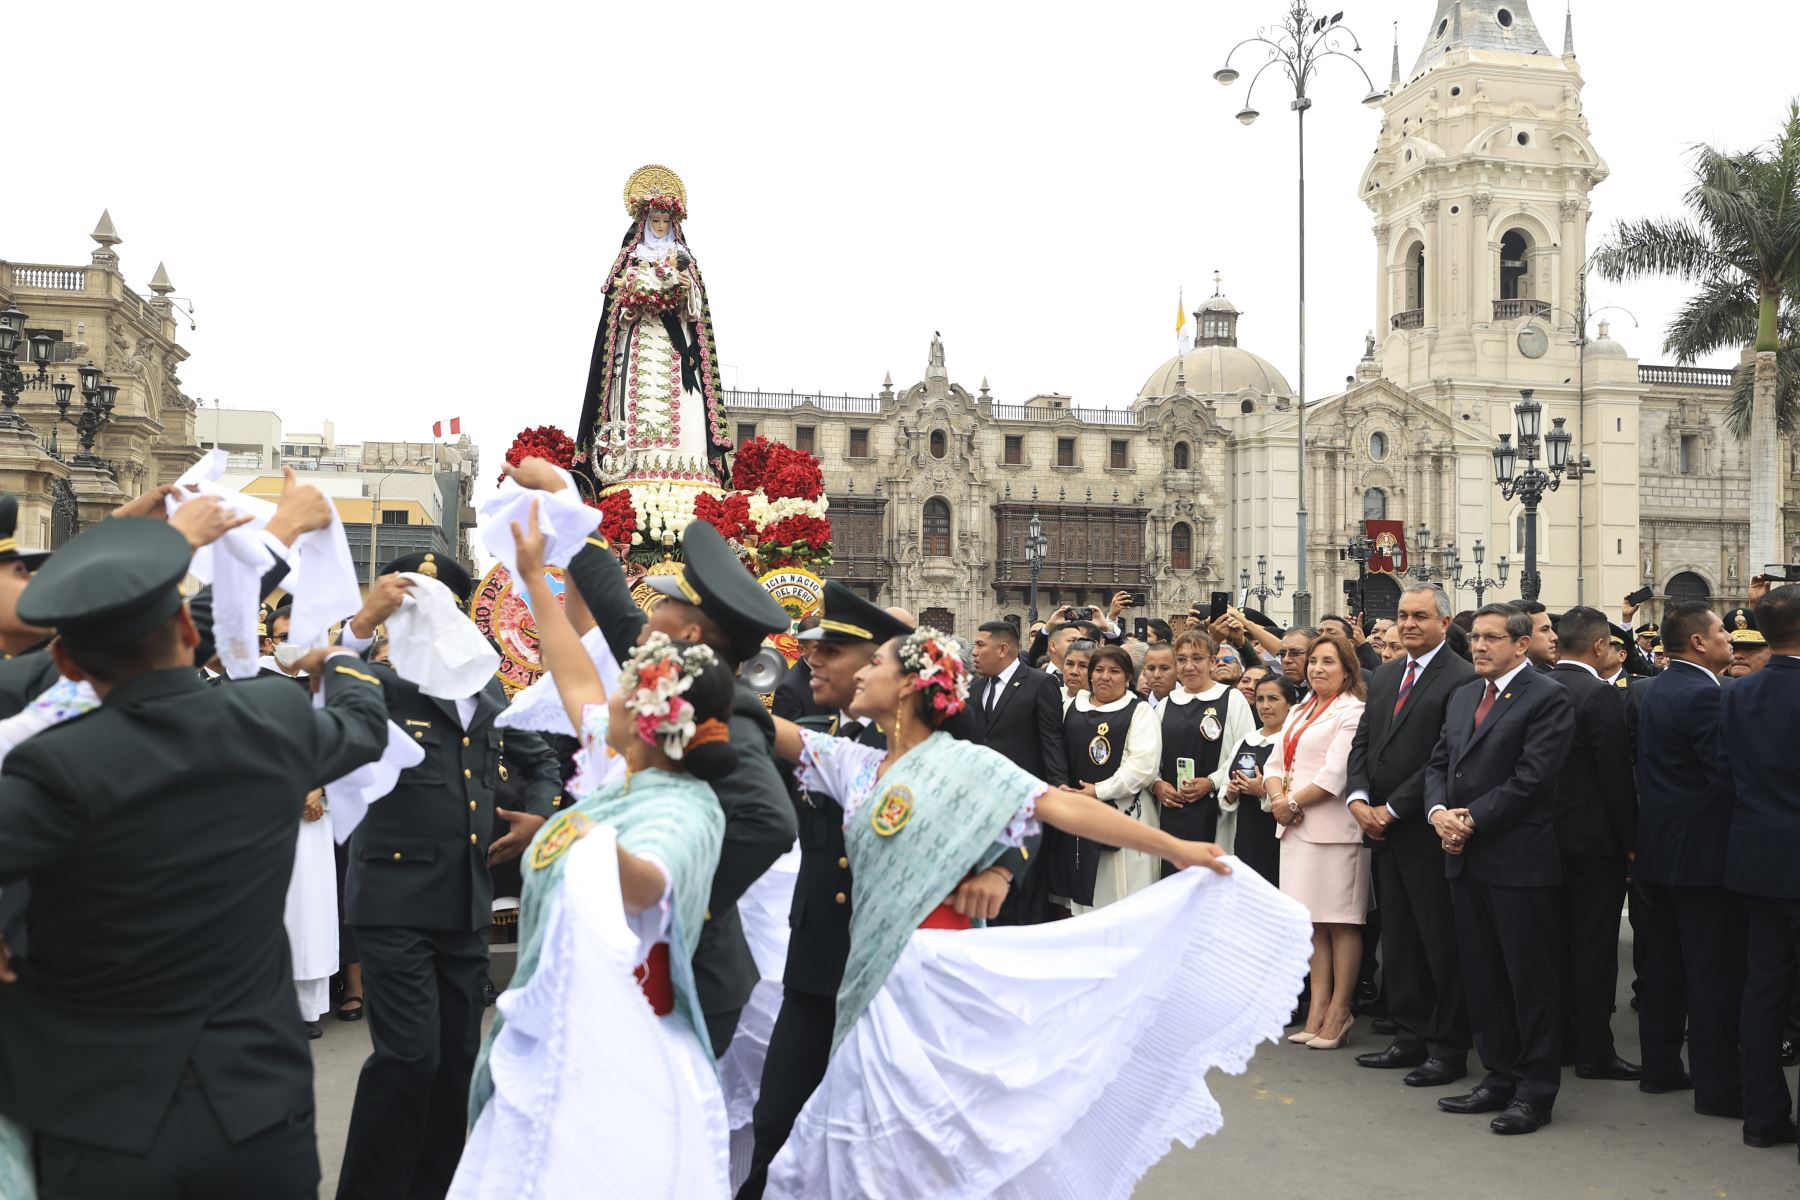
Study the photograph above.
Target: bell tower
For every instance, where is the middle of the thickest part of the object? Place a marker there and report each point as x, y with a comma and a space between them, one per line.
1479, 185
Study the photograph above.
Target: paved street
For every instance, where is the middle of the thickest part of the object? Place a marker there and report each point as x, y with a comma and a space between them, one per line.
1311, 1125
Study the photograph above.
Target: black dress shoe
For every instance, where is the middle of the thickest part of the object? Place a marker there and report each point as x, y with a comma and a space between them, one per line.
1435, 1072
1778, 1135
1790, 1052
1729, 1110
1388, 1027
1392, 1058
1613, 1068
1482, 1099
313, 1032
1520, 1117
1657, 1087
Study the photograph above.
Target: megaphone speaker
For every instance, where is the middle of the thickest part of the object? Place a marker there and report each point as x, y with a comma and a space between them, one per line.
764, 669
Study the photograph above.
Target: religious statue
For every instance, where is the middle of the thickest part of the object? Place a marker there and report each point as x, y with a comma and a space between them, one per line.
652, 411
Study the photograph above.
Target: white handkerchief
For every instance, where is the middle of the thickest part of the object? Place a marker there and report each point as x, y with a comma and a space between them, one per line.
540, 708
432, 644
564, 519
349, 798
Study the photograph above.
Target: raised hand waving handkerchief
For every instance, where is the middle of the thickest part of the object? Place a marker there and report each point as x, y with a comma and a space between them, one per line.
564, 519
432, 644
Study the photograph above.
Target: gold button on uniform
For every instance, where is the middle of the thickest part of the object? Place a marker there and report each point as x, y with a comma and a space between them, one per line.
471, 806
843, 862
841, 898
472, 839
467, 773
418, 735
396, 856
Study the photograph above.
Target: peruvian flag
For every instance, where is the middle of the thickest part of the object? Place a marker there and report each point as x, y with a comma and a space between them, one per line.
437, 427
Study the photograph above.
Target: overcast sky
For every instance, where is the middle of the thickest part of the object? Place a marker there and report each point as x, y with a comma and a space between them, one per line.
389, 213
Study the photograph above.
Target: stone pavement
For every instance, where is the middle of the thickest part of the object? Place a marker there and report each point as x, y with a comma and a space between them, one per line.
1311, 1125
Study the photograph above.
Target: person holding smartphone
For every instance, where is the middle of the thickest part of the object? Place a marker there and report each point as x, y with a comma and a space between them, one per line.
1255, 841
1201, 720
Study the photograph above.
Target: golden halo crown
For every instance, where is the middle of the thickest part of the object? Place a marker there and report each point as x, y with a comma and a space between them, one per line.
652, 181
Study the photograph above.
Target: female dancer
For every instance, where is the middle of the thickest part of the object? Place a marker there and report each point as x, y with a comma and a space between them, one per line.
1057, 1059
613, 903
1323, 862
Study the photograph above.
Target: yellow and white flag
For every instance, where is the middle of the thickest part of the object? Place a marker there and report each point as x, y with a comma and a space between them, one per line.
1184, 341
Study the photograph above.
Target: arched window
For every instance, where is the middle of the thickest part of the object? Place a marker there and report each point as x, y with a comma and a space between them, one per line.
1378, 446
940, 444
1519, 521
1515, 265
1374, 505
1687, 585
935, 543
1248, 406
1181, 456
1415, 276
1181, 547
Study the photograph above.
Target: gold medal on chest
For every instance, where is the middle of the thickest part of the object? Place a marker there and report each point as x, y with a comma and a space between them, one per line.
1210, 729
894, 811
558, 836
1100, 750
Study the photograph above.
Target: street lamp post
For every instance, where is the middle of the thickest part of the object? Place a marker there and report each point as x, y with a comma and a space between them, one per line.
1530, 485
1299, 44
1262, 591
1478, 581
98, 393
1359, 550
1421, 569
1035, 545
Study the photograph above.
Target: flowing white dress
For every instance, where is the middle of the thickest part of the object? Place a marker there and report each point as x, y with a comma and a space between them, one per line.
763, 909
311, 918
1050, 1062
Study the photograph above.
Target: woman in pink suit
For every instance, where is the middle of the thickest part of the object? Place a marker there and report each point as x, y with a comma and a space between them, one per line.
1323, 863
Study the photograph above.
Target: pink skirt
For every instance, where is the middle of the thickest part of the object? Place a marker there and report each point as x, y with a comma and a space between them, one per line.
1330, 878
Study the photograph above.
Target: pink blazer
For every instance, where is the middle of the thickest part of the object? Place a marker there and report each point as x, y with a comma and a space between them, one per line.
1321, 758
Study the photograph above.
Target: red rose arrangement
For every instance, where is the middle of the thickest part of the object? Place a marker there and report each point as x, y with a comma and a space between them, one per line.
546, 442
618, 519
794, 541
729, 514
781, 472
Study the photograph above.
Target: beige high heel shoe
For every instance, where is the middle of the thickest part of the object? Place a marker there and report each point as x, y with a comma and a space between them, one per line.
1320, 1043
1302, 1038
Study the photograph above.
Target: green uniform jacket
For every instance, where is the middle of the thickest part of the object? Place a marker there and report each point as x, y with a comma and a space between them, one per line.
759, 817
158, 836
419, 859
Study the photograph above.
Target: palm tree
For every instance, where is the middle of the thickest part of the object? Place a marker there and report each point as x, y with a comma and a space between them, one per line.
1742, 246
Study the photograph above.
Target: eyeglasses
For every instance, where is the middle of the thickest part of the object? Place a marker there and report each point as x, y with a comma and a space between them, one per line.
1293, 654
1493, 637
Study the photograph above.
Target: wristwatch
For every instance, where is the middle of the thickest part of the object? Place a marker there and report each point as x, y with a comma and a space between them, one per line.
1293, 806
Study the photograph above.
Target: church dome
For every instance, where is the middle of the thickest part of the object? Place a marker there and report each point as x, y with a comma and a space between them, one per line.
1605, 346
1216, 366
1215, 371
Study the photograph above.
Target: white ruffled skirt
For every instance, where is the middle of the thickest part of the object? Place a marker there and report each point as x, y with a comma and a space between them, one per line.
763, 909
594, 1094
1056, 1061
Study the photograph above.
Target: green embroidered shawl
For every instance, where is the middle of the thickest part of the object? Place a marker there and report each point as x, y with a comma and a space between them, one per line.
957, 798
674, 819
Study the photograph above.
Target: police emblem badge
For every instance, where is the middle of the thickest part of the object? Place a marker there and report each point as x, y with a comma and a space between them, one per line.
894, 811
558, 836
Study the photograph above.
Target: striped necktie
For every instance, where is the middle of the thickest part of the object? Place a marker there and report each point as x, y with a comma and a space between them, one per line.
1406, 685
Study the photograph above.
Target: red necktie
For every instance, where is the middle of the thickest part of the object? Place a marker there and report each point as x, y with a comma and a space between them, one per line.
1487, 703
1412, 671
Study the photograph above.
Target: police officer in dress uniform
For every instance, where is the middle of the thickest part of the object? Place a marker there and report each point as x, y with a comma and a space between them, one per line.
418, 896
711, 599
150, 1039
1749, 648
843, 642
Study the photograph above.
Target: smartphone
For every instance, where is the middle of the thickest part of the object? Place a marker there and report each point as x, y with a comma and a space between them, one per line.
1641, 595
1140, 629
1246, 763
1220, 602
1184, 771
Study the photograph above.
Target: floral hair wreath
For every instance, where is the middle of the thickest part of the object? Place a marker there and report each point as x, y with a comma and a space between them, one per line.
943, 679
671, 205
653, 682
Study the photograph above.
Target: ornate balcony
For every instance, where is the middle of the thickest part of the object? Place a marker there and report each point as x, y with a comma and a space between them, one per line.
1412, 318
1512, 310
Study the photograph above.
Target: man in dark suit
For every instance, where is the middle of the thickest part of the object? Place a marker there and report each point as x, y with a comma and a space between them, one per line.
1542, 651
842, 643
419, 899
1018, 712
1386, 793
1760, 719
150, 1039
1691, 926
1490, 791
1596, 829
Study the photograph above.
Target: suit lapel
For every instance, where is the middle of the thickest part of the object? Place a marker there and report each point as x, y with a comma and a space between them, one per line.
1424, 681
1503, 703
1005, 695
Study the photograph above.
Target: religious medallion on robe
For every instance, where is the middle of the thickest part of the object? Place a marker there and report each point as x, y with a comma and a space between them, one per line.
1100, 750
894, 811
1210, 729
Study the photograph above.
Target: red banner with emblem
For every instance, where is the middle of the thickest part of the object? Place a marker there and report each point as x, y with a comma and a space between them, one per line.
1388, 538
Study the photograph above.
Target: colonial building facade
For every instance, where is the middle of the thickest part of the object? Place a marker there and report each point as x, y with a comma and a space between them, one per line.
142, 433
1479, 186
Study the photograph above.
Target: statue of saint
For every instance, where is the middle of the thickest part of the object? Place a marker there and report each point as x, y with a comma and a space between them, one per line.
653, 409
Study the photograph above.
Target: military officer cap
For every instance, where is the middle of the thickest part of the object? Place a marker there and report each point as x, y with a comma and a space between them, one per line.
850, 618
1257, 616
444, 569
113, 582
1618, 634
713, 580
9, 544
264, 614
1648, 628
1740, 623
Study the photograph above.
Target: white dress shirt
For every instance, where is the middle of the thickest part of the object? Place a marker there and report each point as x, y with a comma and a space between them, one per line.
998, 682
1419, 664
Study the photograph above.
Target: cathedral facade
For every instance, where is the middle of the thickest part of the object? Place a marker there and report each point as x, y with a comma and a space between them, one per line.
1479, 187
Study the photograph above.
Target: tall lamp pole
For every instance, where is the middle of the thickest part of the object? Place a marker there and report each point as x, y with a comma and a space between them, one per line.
1262, 591
1478, 581
1530, 485
1299, 45
1359, 550
1035, 545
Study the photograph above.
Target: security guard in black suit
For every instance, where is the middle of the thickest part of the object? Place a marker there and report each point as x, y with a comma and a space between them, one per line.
150, 1039
418, 896
709, 598
846, 637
